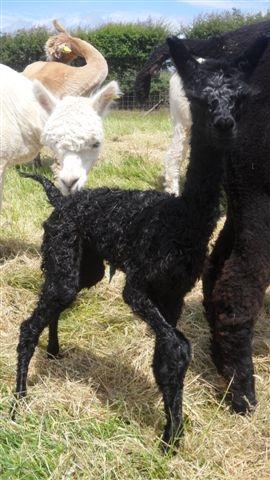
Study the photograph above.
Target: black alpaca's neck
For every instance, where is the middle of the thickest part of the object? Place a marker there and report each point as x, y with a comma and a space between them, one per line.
201, 192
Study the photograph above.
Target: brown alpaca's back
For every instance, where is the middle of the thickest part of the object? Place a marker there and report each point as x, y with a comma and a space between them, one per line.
63, 79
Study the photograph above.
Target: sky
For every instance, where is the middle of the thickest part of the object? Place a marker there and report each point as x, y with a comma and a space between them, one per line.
16, 14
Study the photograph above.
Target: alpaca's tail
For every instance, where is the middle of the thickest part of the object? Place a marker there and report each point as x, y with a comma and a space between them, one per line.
53, 193
152, 67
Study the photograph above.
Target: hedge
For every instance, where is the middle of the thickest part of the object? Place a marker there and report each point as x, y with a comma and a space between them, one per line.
126, 46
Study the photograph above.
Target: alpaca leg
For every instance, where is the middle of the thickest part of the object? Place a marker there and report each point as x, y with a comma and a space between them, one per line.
47, 310
59, 290
91, 272
2, 173
172, 161
170, 305
53, 342
186, 144
37, 161
214, 264
236, 300
171, 358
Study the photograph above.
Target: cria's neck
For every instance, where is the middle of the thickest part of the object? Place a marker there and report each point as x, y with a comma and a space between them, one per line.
202, 189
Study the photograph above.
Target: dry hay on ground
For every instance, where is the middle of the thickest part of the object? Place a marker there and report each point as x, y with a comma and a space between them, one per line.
96, 413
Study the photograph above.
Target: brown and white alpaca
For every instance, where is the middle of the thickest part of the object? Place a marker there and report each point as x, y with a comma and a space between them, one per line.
63, 79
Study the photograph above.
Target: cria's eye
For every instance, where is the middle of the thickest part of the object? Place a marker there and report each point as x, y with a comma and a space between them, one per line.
96, 145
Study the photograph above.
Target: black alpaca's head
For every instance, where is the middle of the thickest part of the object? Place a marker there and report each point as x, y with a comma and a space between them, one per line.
216, 88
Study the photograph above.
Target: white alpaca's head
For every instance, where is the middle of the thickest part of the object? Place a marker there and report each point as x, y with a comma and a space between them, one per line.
74, 131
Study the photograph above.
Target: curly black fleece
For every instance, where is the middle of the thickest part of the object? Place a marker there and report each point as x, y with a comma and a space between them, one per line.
159, 241
238, 271
145, 235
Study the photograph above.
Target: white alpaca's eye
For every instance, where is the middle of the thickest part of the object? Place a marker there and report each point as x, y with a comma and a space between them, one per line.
96, 145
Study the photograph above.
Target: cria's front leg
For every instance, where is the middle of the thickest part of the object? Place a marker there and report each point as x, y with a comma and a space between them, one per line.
171, 359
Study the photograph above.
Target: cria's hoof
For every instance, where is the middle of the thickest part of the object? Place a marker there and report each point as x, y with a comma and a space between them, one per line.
54, 355
169, 448
170, 440
13, 409
15, 404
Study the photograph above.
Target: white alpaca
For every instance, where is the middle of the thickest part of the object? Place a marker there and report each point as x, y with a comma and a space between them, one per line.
72, 127
181, 123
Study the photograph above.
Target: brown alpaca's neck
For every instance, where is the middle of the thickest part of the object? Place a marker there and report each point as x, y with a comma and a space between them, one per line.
85, 50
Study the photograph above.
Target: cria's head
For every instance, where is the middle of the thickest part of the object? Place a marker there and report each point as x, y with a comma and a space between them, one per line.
216, 89
74, 132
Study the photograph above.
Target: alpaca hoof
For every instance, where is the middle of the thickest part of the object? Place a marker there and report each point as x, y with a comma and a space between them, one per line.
15, 404
171, 439
169, 448
243, 405
13, 409
54, 355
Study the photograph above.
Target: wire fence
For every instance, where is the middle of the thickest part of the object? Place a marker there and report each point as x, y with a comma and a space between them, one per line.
155, 101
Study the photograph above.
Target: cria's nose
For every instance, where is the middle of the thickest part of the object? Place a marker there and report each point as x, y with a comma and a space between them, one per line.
224, 123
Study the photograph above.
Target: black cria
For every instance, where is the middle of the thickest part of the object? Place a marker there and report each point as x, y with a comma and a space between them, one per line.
159, 241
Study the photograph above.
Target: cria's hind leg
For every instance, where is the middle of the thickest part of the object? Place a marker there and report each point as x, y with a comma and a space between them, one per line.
53, 341
91, 272
48, 310
171, 358
61, 261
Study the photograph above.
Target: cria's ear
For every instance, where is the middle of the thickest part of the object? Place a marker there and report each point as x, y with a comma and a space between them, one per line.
181, 56
44, 97
248, 61
104, 97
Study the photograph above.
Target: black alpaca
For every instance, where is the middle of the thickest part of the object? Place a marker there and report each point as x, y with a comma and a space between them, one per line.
238, 271
230, 45
158, 240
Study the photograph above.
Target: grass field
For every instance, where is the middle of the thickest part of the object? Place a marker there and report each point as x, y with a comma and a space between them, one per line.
96, 413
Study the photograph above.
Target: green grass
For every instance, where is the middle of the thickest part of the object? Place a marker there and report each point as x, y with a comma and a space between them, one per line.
96, 413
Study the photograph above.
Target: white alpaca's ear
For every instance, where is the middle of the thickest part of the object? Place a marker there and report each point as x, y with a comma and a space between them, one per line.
44, 97
104, 97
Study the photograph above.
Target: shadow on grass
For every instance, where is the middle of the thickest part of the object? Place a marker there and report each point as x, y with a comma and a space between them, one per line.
127, 389
116, 382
